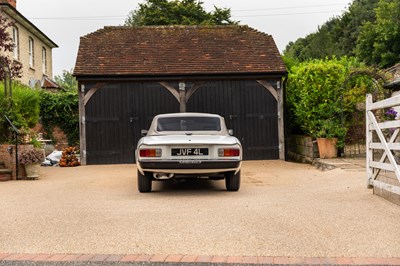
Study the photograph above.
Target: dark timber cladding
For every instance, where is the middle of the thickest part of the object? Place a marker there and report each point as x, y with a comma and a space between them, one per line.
117, 113
128, 75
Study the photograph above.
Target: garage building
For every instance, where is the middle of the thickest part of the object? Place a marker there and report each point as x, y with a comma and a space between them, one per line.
127, 75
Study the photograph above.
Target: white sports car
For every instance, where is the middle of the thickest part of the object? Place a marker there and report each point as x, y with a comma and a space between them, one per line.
188, 145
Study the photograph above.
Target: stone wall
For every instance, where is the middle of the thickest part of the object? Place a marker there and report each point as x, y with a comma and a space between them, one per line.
301, 149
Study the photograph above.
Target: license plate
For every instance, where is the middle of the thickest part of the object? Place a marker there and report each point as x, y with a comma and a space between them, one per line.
189, 152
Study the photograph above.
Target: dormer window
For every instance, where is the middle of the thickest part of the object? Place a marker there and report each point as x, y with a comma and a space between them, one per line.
31, 53
15, 37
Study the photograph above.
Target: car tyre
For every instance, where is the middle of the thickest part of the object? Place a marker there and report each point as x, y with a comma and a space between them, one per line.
144, 182
232, 181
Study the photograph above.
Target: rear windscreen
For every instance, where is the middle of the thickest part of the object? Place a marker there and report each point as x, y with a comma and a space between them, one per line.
188, 124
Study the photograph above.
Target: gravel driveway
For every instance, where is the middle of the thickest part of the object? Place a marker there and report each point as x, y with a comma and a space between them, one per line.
282, 209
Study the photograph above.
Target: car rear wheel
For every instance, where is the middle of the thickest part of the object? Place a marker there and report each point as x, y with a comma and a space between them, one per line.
144, 182
232, 181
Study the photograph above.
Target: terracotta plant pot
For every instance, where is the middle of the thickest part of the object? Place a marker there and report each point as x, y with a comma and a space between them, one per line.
327, 147
32, 170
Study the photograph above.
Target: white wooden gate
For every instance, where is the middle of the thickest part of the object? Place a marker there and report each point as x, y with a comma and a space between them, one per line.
387, 144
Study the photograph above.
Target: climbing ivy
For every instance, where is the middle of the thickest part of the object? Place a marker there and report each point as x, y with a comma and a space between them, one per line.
61, 109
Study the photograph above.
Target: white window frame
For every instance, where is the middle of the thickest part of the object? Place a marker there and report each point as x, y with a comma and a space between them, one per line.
44, 60
31, 53
15, 36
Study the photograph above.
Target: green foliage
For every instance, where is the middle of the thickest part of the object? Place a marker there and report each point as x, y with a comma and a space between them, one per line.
22, 109
379, 41
322, 96
67, 81
177, 12
317, 45
315, 95
370, 30
61, 109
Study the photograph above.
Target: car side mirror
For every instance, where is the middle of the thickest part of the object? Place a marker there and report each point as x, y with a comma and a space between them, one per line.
230, 132
144, 132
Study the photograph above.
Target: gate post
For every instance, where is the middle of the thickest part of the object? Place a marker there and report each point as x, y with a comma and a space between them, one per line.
369, 151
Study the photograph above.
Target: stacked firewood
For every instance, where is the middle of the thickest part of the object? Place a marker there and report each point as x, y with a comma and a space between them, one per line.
69, 157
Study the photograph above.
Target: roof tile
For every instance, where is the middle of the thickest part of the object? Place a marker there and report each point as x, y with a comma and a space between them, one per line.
177, 50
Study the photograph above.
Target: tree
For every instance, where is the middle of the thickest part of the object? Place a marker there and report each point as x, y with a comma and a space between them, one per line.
6, 47
337, 37
349, 26
177, 12
67, 81
379, 41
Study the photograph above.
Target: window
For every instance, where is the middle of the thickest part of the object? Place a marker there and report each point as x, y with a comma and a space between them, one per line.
15, 38
44, 60
188, 123
31, 53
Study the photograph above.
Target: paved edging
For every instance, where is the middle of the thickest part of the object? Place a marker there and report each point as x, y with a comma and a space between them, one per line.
8, 257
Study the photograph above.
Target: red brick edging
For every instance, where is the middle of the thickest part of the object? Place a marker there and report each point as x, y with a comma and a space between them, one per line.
199, 259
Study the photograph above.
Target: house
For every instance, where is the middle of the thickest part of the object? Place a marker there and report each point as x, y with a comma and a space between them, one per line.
33, 49
127, 75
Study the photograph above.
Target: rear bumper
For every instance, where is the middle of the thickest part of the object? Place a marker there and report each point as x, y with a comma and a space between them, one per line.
189, 166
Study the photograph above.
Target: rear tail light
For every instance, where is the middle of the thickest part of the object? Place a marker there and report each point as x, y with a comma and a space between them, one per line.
150, 153
228, 152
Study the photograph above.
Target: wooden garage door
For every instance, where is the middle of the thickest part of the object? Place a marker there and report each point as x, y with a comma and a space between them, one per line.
248, 108
116, 114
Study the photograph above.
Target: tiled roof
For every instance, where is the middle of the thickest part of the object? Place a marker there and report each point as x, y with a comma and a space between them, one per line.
177, 50
47, 83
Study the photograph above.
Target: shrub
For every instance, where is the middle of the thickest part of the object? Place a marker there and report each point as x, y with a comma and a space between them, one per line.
316, 97
322, 96
23, 109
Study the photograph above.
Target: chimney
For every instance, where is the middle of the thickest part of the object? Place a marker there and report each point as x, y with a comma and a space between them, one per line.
12, 2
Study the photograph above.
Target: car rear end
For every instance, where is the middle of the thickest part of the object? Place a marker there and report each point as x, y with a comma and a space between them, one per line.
188, 145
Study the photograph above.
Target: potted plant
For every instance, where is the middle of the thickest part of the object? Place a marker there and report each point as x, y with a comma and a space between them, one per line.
330, 135
31, 158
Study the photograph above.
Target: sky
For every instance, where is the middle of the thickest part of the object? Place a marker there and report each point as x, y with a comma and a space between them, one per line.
65, 21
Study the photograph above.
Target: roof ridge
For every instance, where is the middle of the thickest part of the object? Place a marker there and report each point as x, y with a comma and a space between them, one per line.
166, 27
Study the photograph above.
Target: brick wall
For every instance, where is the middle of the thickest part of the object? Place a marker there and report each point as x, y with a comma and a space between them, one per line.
60, 138
9, 159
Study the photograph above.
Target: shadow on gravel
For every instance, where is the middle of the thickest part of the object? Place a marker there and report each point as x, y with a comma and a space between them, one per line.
188, 187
